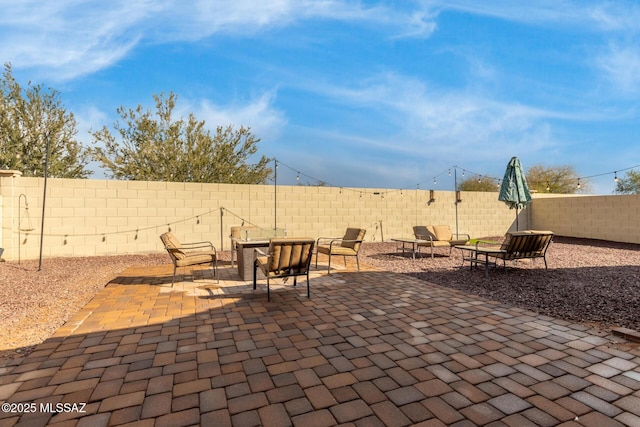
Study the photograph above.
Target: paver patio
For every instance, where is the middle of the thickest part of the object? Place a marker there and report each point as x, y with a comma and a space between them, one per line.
368, 348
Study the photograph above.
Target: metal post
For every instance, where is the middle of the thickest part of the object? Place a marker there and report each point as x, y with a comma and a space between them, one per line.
44, 200
455, 195
275, 195
221, 228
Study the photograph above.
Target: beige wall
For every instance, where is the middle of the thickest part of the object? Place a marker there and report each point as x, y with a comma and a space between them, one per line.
106, 217
614, 218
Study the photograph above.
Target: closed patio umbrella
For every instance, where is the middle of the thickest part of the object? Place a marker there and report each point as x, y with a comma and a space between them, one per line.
514, 190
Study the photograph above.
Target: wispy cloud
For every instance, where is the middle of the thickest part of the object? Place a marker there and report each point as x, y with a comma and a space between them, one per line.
621, 65
428, 115
620, 16
67, 38
260, 114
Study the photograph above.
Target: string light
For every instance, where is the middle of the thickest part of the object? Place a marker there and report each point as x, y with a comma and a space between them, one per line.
298, 174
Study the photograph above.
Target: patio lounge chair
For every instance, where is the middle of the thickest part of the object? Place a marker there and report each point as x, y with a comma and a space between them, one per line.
524, 244
436, 236
286, 257
348, 245
186, 254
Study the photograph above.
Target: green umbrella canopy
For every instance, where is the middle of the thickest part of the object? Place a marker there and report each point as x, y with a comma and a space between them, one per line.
514, 190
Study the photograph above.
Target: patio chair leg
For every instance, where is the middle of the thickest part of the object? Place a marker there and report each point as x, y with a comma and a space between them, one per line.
255, 271
358, 262
308, 286
329, 268
174, 274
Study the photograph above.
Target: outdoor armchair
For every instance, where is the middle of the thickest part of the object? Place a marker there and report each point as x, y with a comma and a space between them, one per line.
436, 236
186, 254
348, 245
286, 257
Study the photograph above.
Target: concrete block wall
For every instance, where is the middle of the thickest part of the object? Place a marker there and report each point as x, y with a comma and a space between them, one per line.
108, 217
614, 218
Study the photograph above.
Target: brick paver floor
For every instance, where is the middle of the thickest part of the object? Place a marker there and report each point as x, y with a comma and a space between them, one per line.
368, 348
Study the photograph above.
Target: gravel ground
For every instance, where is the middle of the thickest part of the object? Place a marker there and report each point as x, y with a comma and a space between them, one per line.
34, 304
588, 281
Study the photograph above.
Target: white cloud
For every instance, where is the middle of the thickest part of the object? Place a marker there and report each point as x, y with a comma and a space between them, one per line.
90, 119
266, 122
621, 65
616, 16
67, 38
442, 118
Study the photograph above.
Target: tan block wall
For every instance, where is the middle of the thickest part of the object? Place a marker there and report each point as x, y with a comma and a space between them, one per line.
107, 217
613, 218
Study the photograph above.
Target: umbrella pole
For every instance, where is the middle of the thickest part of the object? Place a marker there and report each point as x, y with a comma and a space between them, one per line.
517, 225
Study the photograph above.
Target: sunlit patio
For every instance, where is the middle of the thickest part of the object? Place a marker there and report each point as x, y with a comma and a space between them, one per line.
368, 348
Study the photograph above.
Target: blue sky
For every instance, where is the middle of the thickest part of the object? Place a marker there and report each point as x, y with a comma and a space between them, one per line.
385, 94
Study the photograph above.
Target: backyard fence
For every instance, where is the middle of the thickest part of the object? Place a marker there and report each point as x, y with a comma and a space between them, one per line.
86, 217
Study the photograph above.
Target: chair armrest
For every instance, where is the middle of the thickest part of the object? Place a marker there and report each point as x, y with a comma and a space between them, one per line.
196, 245
260, 252
327, 239
341, 241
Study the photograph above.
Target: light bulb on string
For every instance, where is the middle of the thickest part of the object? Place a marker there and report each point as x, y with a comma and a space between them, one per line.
615, 176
